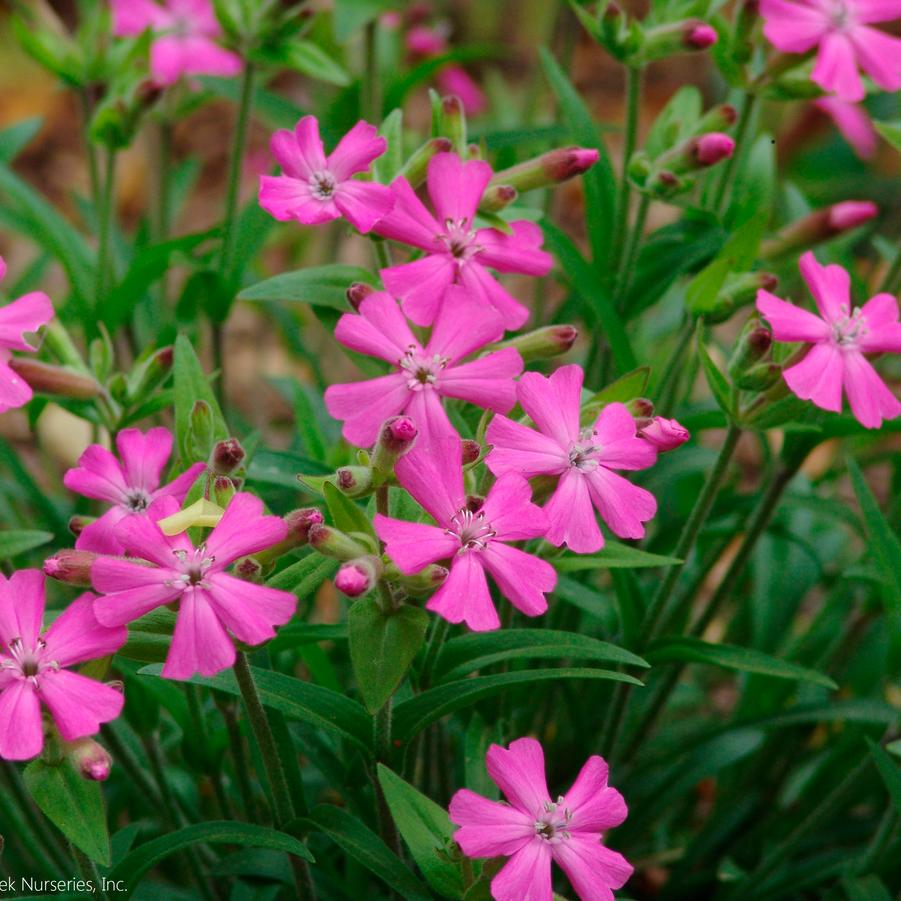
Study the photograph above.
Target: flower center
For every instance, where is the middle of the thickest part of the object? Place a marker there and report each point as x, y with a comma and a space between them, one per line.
137, 500
849, 329
422, 371
584, 452
459, 239
322, 184
27, 663
472, 530
840, 15
552, 822
192, 567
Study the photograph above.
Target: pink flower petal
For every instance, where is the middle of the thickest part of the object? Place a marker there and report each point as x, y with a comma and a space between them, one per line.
595, 806
414, 545
79, 705
409, 222
21, 727
489, 828
142, 538
200, 643
463, 326
363, 203
879, 55
364, 406
519, 773
818, 377
249, 611
571, 518
455, 81
509, 509
877, 10
526, 876
14, 390
791, 323
286, 198
356, 151
420, 285
836, 67
830, 286
202, 56
491, 293
623, 506
243, 530
621, 448
456, 187
129, 590
76, 635
592, 869
517, 252
853, 122
180, 486
517, 448
379, 330
883, 333
24, 317
486, 382
131, 17
144, 456
871, 401
792, 27
21, 606
100, 536
522, 578
464, 596
426, 410
98, 475
554, 403
433, 474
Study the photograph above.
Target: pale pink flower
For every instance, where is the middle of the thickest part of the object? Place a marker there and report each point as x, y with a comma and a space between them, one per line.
18, 320
422, 376
472, 534
212, 603
583, 457
852, 121
840, 31
664, 434
33, 667
457, 252
185, 33
316, 188
839, 338
532, 830
131, 485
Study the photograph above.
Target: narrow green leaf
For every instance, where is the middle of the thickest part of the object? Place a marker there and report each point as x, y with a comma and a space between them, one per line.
867, 888
346, 514
392, 160
890, 772
320, 286
627, 387
717, 381
73, 804
613, 555
310, 59
891, 131
685, 649
427, 830
304, 577
18, 541
191, 385
16, 137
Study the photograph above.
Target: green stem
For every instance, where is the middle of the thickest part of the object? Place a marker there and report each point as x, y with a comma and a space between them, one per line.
433, 649
90, 149
107, 208
382, 741
668, 385
382, 253
87, 870
239, 759
372, 88
633, 97
635, 239
869, 860
741, 135
888, 283
278, 784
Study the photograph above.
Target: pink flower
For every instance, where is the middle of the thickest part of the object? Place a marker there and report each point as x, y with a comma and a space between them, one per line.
18, 319
583, 458
316, 188
33, 667
422, 376
664, 434
839, 337
840, 31
130, 486
532, 830
853, 122
472, 534
457, 81
210, 600
185, 44
457, 252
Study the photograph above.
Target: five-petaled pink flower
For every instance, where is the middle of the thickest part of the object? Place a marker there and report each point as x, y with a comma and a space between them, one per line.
840, 336
532, 830
131, 485
185, 37
33, 667
472, 534
457, 252
18, 319
583, 457
422, 375
840, 31
316, 188
210, 600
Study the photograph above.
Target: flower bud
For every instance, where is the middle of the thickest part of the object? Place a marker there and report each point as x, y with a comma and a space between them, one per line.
357, 293
424, 582
415, 168
46, 379
354, 481
543, 343
641, 408
550, 168
713, 148
249, 569
472, 450
150, 374
223, 491
739, 290
700, 36
719, 118
751, 347
71, 566
688, 36
759, 377
89, 758
78, 522
664, 434
227, 456
497, 197
819, 226
453, 122
358, 577
299, 523
200, 430
396, 436
331, 542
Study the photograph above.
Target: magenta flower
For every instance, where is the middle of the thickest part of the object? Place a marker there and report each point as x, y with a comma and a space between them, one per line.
473, 535
316, 188
185, 37
422, 376
33, 667
839, 338
130, 486
19, 319
583, 458
211, 602
840, 31
532, 830
853, 122
457, 252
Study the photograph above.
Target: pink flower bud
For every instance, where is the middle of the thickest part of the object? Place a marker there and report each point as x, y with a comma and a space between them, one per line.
357, 577
91, 759
227, 456
77, 524
357, 293
249, 569
471, 451
71, 566
550, 168
334, 543
641, 408
701, 36
424, 41
396, 437
48, 379
497, 197
664, 434
713, 148
851, 213
299, 523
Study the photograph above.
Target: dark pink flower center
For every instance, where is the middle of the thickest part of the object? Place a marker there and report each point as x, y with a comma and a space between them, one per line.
460, 239
422, 371
471, 529
848, 329
192, 567
27, 663
322, 185
137, 500
553, 821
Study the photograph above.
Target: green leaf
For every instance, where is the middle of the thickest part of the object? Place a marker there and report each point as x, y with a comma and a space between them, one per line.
588, 284
347, 515
677, 120
427, 830
883, 542
627, 387
717, 381
191, 385
890, 772
320, 286
73, 804
392, 160
296, 699
891, 131
296, 635
413, 715
382, 647
304, 577
866, 888
466, 653
138, 862
366, 848
350, 15
613, 555
18, 541
149, 637
311, 59
685, 649
599, 180
15, 138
